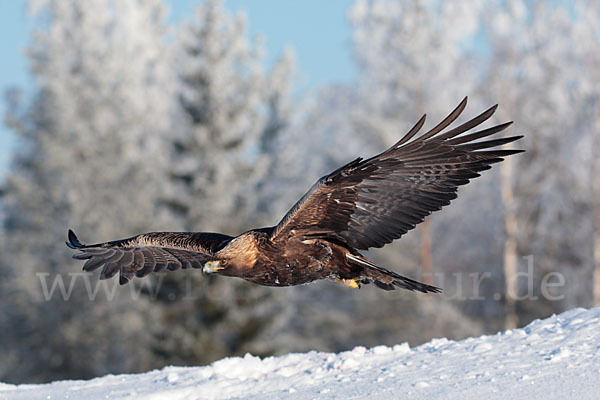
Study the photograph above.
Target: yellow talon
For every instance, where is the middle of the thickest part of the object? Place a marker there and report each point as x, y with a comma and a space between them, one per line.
353, 283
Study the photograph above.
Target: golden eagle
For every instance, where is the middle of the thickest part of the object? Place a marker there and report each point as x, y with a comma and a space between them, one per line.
363, 204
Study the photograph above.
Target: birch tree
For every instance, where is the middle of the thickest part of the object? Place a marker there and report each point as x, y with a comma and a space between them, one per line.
549, 100
587, 32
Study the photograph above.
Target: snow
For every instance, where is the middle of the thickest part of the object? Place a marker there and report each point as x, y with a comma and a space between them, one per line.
558, 357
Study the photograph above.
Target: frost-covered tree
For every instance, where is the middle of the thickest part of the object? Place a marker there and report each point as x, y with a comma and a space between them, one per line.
546, 83
232, 113
413, 60
90, 157
417, 57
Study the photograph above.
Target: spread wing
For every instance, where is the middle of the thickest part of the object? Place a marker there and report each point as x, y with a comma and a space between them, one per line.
148, 252
369, 203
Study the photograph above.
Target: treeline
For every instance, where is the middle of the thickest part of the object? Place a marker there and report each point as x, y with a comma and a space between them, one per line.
137, 126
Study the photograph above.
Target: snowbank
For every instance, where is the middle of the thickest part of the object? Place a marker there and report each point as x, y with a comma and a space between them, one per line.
558, 357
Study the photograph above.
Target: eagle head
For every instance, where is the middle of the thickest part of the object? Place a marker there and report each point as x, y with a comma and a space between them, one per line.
214, 266
236, 258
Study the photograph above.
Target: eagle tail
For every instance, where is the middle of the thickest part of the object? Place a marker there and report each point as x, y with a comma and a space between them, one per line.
386, 279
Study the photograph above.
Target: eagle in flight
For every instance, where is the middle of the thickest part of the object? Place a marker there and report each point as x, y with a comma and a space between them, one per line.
363, 204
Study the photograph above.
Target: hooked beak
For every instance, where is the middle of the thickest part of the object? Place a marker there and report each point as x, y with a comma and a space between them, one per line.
211, 267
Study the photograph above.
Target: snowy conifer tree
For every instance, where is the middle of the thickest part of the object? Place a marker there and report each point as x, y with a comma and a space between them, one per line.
91, 157
231, 115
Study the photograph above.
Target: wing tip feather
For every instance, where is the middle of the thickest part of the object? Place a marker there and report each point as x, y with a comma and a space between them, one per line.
73, 242
462, 105
411, 133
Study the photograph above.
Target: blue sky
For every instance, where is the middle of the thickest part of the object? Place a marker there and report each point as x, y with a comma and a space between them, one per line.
316, 30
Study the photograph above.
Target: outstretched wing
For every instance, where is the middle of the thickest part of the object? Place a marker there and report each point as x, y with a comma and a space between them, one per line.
369, 203
148, 252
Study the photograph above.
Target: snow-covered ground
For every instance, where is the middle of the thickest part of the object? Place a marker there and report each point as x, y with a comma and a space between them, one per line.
555, 358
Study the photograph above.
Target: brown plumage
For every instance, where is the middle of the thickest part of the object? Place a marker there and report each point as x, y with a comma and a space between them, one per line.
366, 203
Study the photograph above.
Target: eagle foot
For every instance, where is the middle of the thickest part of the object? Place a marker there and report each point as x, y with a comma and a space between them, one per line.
353, 283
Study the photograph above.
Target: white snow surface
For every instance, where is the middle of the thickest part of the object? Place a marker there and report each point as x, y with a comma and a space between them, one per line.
555, 358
